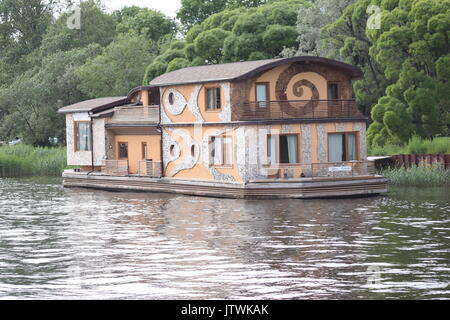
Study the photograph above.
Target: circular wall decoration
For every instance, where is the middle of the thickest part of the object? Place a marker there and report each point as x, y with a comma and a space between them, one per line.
174, 102
300, 108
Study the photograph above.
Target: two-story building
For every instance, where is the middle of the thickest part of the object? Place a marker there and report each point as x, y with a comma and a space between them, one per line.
277, 128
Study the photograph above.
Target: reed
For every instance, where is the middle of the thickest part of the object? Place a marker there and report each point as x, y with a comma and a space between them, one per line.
416, 145
418, 175
23, 160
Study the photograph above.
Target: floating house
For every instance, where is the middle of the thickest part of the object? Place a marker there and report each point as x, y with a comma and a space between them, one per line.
277, 128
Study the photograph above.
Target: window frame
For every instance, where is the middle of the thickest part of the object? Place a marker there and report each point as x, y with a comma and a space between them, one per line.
118, 150
76, 135
212, 144
338, 84
215, 109
346, 150
144, 149
278, 150
267, 85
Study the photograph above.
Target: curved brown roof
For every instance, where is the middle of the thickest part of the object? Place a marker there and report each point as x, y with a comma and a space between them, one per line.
90, 105
242, 70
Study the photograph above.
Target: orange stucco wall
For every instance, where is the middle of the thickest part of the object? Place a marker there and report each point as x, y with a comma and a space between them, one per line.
135, 149
201, 169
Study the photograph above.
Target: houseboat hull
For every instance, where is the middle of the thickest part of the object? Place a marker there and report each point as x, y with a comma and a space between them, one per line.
273, 189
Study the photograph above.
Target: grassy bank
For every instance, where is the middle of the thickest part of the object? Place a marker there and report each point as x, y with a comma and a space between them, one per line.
422, 175
23, 160
415, 145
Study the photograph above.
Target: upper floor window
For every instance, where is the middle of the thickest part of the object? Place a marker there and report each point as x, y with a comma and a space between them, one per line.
282, 148
213, 98
333, 91
262, 94
342, 147
83, 136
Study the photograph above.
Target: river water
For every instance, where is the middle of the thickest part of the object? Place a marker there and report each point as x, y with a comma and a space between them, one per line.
58, 243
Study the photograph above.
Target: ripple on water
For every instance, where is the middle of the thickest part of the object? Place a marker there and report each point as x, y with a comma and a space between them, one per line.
58, 244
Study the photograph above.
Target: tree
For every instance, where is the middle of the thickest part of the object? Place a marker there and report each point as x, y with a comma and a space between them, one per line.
347, 36
233, 35
119, 68
22, 26
413, 48
196, 11
310, 20
147, 22
28, 107
96, 27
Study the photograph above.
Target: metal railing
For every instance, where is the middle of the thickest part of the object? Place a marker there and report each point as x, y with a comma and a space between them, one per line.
116, 167
295, 109
346, 169
149, 168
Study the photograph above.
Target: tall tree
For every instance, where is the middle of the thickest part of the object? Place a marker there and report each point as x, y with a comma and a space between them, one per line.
22, 26
233, 35
196, 11
413, 48
119, 68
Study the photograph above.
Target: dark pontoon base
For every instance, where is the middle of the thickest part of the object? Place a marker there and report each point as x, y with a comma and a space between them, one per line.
253, 190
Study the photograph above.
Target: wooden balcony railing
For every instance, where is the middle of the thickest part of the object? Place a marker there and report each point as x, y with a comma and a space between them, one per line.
135, 114
149, 168
116, 167
295, 109
347, 169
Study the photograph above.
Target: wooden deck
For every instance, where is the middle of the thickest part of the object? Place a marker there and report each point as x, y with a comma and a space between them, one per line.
270, 189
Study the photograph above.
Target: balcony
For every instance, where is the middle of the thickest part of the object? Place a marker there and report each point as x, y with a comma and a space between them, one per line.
135, 114
336, 170
296, 109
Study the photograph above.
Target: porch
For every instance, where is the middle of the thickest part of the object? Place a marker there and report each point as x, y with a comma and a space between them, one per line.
145, 168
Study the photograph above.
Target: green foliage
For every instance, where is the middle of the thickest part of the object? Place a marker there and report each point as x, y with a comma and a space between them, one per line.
29, 105
413, 50
120, 67
96, 27
20, 33
149, 23
416, 145
406, 66
421, 175
193, 12
232, 34
25, 160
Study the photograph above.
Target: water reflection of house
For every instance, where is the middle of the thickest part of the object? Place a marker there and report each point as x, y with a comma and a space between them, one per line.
269, 128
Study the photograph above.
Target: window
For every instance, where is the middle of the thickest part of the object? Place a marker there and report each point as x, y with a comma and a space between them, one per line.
171, 98
333, 91
144, 151
213, 98
83, 136
262, 94
282, 148
193, 150
342, 147
172, 150
221, 151
123, 150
